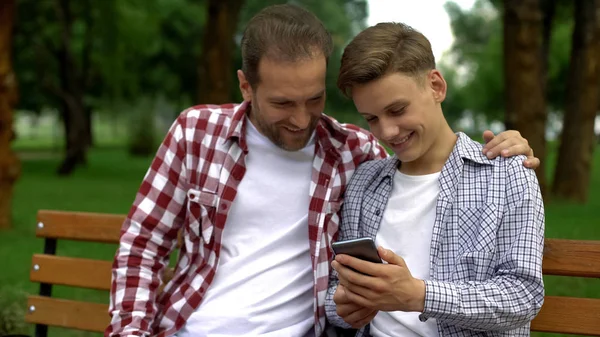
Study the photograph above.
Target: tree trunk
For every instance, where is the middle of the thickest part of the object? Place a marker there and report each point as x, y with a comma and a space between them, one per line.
523, 74
573, 168
10, 167
214, 71
71, 93
548, 8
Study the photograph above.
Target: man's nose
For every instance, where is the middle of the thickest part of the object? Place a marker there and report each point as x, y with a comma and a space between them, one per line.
301, 118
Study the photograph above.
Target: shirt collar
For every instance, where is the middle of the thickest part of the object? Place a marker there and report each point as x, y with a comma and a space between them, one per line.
464, 149
329, 135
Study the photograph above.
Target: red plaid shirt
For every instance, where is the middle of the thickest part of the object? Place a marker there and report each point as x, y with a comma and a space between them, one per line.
191, 185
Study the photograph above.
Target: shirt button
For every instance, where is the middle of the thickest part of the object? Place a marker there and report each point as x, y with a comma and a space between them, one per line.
192, 196
224, 207
377, 212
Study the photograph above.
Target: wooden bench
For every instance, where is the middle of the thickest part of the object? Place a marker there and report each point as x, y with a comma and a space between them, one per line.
50, 269
559, 314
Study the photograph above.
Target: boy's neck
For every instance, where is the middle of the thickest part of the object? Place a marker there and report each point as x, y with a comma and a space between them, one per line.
434, 159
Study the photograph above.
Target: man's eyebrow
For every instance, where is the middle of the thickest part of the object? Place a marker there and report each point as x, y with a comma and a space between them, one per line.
319, 95
280, 99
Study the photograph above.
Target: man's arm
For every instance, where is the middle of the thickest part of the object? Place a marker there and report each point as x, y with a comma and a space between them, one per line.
147, 238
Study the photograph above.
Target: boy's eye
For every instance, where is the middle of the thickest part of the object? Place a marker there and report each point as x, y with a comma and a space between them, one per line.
397, 112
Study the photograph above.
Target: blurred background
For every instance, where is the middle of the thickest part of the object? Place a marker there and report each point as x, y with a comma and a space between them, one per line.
89, 88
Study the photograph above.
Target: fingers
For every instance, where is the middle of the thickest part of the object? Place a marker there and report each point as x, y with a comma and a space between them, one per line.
391, 257
357, 299
507, 146
347, 309
360, 318
344, 262
339, 297
488, 136
533, 163
366, 320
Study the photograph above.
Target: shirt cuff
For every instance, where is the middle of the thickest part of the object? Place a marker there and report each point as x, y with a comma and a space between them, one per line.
440, 298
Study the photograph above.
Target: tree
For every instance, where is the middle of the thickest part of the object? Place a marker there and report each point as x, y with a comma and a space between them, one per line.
577, 141
71, 91
524, 73
9, 163
214, 80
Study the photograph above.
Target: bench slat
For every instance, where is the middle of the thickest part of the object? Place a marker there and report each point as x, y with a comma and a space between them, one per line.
571, 258
569, 315
69, 271
67, 314
96, 227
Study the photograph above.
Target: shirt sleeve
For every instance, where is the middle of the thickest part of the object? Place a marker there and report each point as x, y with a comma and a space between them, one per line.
515, 293
148, 236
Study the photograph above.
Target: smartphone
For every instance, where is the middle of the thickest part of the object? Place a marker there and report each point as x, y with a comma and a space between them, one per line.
361, 248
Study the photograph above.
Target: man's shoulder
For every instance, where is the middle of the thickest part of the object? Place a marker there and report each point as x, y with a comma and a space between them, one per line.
209, 112
352, 131
354, 142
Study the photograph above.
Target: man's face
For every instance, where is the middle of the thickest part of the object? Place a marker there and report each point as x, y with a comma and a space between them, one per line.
288, 101
402, 112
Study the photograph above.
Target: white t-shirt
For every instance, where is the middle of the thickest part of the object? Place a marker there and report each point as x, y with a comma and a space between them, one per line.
264, 280
406, 229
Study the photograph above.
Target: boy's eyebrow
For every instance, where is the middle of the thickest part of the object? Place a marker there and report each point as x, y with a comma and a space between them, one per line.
400, 101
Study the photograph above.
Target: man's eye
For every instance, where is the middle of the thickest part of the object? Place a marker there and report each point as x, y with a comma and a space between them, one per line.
371, 119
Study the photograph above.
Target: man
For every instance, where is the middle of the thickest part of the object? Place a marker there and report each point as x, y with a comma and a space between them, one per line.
254, 189
462, 235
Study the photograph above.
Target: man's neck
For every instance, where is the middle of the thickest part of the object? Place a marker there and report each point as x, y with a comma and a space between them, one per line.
435, 157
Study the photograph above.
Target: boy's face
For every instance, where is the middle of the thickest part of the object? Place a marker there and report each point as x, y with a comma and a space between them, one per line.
403, 112
288, 101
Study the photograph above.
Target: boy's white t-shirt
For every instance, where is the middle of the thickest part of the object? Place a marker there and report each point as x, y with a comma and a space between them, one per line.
407, 229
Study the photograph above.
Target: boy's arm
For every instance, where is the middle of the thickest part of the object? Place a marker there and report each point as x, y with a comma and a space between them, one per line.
514, 296
508, 300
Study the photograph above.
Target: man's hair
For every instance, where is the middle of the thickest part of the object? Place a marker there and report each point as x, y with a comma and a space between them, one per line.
381, 49
285, 33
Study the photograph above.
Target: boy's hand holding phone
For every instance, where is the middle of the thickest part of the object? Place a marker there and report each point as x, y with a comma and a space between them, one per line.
355, 315
378, 286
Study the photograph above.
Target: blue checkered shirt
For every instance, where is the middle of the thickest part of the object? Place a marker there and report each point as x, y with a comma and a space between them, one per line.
486, 249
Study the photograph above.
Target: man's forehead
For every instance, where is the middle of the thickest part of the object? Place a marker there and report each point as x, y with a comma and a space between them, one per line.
283, 95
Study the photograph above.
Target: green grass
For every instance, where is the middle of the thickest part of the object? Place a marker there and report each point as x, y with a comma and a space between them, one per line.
109, 183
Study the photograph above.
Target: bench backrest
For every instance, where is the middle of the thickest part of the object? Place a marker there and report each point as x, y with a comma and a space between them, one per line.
571, 315
558, 315
49, 269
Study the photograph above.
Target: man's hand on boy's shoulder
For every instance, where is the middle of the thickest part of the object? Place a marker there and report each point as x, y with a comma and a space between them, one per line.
507, 144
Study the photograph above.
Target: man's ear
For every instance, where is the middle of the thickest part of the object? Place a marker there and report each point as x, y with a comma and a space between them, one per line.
438, 85
245, 87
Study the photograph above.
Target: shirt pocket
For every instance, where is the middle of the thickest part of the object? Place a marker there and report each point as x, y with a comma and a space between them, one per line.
477, 241
477, 229
201, 208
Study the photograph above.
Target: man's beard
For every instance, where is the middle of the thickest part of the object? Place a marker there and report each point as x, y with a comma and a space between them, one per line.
274, 131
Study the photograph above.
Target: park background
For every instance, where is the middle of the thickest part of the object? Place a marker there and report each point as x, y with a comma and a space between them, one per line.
89, 88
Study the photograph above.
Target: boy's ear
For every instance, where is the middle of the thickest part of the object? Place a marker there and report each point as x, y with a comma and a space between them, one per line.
438, 85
